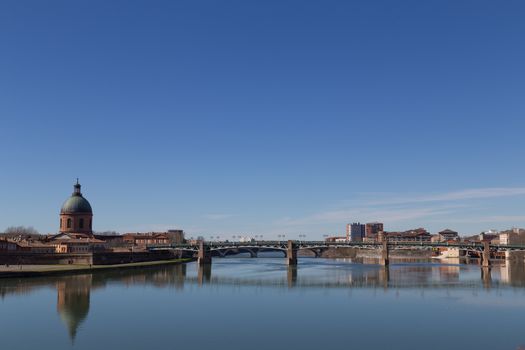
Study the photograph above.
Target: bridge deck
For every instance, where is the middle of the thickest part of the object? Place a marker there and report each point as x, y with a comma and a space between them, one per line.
282, 245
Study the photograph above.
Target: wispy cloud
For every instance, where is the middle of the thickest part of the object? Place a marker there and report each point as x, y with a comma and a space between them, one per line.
468, 211
418, 209
366, 214
468, 194
218, 216
149, 228
509, 219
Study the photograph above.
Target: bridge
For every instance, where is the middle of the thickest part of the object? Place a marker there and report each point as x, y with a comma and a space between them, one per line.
205, 250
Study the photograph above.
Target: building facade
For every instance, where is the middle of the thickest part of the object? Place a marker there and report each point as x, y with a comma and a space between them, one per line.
416, 235
355, 232
176, 236
373, 228
143, 239
448, 235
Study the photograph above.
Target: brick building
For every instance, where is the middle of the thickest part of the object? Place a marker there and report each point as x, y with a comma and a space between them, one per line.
143, 239
416, 235
373, 228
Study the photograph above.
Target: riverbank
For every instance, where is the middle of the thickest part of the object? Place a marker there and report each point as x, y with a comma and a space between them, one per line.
17, 271
350, 252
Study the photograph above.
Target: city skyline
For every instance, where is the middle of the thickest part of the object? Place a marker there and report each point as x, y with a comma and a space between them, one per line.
398, 214
250, 118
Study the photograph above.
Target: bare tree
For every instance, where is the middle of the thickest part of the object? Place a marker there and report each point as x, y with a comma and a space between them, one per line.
21, 231
107, 233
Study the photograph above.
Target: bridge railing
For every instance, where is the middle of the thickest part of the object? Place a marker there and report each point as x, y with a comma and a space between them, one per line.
306, 244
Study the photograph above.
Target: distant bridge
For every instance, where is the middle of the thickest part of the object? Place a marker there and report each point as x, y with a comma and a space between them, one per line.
204, 250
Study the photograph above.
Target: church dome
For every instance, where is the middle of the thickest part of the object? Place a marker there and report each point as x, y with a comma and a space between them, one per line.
76, 203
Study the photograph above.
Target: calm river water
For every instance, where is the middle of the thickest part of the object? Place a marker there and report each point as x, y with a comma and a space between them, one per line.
243, 303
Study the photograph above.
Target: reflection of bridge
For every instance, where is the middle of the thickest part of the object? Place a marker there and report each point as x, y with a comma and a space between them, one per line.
74, 292
205, 250
380, 277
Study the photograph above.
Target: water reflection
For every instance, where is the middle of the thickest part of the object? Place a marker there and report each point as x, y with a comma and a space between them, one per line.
513, 273
486, 277
291, 276
204, 274
74, 292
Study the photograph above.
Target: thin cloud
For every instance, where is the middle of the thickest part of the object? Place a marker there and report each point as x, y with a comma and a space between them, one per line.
486, 219
218, 216
386, 215
468, 194
150, 228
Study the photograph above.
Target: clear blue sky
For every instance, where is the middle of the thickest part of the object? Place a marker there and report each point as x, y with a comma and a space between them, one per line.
264, 117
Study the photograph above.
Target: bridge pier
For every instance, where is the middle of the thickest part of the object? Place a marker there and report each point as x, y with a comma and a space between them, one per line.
291, 253
204, 255
384, 252
486, 254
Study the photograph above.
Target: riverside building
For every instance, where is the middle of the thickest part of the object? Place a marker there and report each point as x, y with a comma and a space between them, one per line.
373, 228
355, 232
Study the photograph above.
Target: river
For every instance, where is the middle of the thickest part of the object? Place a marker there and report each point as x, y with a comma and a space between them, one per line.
243, 303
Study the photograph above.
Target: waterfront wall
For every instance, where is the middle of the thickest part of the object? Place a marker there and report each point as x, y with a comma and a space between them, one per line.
125, 257
95, 258
346, 252
29, 258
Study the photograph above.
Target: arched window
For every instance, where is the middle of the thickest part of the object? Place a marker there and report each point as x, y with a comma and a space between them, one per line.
60, 223
81, 223
90, 224
68, 223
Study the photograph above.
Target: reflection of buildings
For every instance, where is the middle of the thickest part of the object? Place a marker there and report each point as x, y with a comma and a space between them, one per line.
513, 273
74, 292
449, 273
73, 301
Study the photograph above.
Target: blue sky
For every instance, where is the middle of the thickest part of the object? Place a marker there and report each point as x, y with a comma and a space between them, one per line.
264, 117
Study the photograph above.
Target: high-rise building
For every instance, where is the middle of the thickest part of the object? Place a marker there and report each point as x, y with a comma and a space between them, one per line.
373, 228
355, 232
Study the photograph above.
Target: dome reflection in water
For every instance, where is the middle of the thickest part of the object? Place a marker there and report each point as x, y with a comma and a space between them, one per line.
116, 306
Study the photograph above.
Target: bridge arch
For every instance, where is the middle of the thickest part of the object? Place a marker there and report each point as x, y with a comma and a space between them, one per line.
252, 250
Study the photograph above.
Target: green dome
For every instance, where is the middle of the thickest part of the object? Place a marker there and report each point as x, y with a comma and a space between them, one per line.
76, 203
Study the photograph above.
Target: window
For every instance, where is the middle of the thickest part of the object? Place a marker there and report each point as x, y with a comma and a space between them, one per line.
81, 223
60, 223
68, 223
